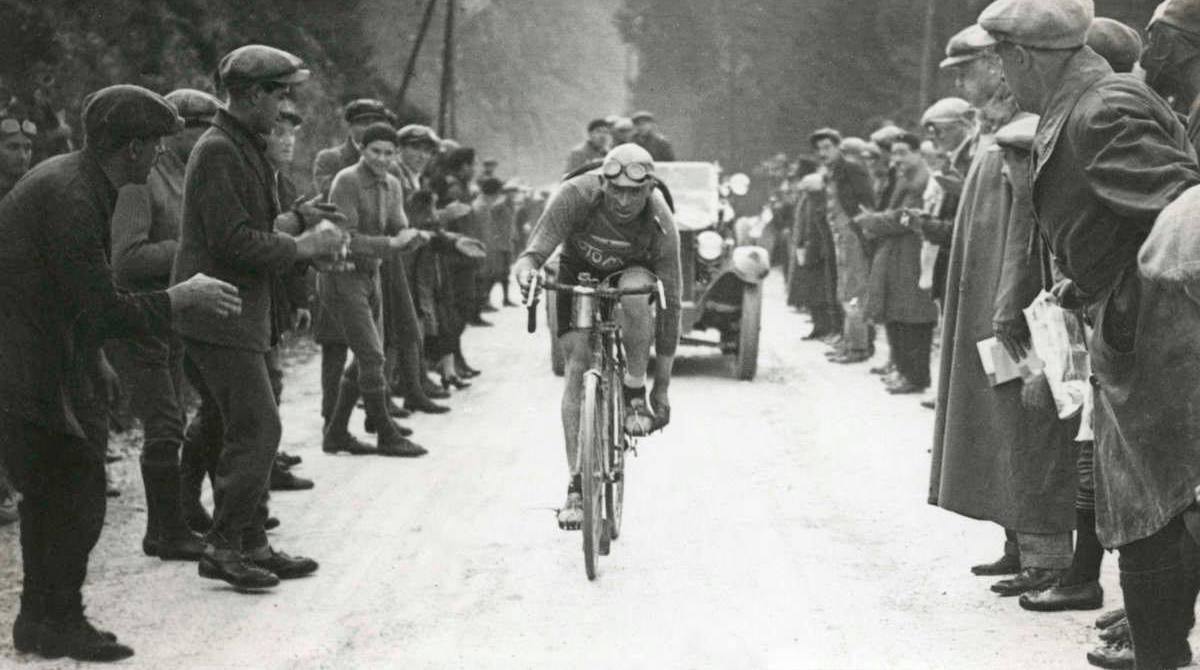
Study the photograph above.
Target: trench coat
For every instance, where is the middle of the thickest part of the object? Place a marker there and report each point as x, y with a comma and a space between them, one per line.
814, 284
893, 294
994, 459
1109, 157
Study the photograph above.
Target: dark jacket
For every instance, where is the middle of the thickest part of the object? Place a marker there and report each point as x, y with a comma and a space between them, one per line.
894, 294
57, 299
813, 284
145, 226
854, 188
659, 147
1109, 155
229, 210
331, 161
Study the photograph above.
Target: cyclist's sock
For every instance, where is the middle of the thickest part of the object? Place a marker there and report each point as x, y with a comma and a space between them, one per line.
634, 392
632, 382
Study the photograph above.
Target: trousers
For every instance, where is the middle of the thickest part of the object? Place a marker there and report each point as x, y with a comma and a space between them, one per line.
354, 300
61, 479
155, 382
237, 408
911, 344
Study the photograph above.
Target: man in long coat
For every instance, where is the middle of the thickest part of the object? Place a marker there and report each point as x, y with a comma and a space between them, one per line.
994, 459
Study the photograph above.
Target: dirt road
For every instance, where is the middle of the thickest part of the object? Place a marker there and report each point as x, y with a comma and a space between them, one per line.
776, 524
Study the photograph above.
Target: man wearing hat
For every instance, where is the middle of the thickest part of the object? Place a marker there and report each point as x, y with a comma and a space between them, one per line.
950, 124
145, 230
1109, 156
359, 115
622, 130
60, 307
592, 149
16, 148
230, 205
1116, 43
1172, 58
848, 191
993, 458
647, 136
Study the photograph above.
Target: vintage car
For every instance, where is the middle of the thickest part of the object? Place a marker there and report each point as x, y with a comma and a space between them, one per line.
722, 281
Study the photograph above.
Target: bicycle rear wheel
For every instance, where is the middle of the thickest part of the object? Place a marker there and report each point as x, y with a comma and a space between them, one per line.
614, 486
591, 470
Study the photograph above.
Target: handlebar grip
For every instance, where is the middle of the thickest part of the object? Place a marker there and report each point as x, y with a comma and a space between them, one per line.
531, 320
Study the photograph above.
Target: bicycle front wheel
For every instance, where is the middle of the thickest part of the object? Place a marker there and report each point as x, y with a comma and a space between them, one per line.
614, 487
591, 471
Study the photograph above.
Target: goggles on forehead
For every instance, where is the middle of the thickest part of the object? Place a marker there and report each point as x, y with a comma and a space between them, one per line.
638, 172
10, 125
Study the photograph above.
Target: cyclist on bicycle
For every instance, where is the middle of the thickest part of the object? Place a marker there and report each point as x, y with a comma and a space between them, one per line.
616, 227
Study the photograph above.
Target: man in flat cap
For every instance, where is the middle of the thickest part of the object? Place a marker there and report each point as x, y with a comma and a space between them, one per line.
848, 191
592, 149
950, 124
1172, 59
230, 206
645, 133
145, 230
993, 458
60, 307
359, 115
1116, 43
1108, 157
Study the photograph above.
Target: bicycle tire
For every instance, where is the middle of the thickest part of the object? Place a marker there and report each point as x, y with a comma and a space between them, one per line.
614, 486
591, 471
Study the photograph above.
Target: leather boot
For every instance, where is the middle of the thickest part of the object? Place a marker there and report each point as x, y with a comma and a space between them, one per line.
396, 412
333, 364
408, 365
67, 632
337, 430
1153, 605
167, 535
389, 440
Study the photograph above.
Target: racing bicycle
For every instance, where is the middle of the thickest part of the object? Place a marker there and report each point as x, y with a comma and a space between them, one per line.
603, 442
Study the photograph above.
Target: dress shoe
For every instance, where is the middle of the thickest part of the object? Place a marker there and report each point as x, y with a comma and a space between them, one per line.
1059, 598
510, 303
433, 390
1005, 565
1117, 631
283, 479
401, 447
428, 407
1110, 617
467, 372
929, 403
289, 460
334, 442
456, 382
77, 638
488, 308
236, 570
271, 523
885, 369
369, 427
1030, 579
1115, 655
27, 632
282, 565
905, 387
480, 322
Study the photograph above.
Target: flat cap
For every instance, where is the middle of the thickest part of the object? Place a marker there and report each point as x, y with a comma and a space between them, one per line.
193, 104
1116, 42
1039, 24
380, 130
365, 110
1018, 133
642, 116
418, 134
1181, 14
623, 123
946, 110
126, 112
884, 136
967, 45
830, 134
255, 63
854, 145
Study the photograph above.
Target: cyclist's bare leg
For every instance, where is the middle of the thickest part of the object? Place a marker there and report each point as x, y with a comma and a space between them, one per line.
578, 358
636, 319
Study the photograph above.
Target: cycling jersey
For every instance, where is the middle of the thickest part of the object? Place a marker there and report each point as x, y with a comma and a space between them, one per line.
593, 242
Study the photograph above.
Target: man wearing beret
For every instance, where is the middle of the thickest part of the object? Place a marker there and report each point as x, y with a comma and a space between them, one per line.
993, 458
1172, 58
1108, 157
60, 307
145, 230
230, 205
359, 115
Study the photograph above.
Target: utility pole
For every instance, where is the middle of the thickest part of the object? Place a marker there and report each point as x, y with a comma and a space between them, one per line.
446, 115
410, 68
928, 51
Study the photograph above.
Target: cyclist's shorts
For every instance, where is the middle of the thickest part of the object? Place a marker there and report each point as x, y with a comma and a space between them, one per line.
569, 274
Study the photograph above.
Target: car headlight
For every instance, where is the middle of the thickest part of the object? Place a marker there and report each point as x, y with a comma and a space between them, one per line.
709, 245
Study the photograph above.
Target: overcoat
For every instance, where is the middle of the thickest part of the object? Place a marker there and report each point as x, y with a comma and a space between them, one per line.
893, 293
